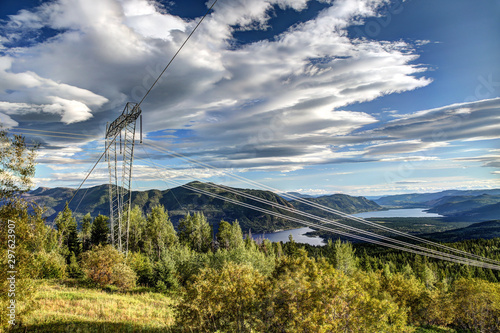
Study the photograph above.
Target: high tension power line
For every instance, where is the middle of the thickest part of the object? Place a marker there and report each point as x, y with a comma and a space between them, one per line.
382, 240
119, 153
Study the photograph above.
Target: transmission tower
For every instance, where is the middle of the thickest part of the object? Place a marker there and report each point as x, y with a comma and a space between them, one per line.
120, 140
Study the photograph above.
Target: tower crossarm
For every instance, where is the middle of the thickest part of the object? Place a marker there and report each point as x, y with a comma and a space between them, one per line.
129, 115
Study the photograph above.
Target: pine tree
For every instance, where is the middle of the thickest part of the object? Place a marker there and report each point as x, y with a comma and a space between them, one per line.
86, 231
100, 230
67, 233
195, 232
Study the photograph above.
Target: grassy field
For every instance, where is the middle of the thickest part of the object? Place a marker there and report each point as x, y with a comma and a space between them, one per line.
68, 306
65, 306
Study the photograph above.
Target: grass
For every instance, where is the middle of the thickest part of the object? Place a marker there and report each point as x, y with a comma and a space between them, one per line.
66, 306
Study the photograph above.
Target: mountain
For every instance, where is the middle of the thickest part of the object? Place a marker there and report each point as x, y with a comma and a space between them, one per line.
178, 201
485, 230
457, 205
418, 200
344, 203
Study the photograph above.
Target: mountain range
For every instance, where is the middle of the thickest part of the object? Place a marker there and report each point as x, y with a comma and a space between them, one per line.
455, 205
179, 201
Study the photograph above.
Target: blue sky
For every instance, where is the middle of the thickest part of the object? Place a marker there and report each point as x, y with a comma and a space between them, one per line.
364, 97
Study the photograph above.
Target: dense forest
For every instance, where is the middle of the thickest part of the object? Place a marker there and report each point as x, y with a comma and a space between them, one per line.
229, 282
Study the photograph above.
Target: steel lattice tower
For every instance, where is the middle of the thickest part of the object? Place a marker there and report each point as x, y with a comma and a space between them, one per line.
120, 140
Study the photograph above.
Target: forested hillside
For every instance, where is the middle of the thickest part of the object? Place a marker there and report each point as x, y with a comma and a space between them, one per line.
177, 201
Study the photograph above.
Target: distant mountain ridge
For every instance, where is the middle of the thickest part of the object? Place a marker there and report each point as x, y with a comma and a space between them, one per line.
179, 200
419, 200
456, 205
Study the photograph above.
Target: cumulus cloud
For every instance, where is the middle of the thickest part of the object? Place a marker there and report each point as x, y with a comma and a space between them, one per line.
277, 104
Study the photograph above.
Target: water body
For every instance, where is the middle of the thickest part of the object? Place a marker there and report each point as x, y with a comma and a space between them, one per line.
297, 234
406, 212
300, 237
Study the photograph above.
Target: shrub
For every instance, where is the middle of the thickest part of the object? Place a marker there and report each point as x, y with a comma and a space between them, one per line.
225, 300
477, 305
105, 265
123, 276
143, 267
50, 265
165, 274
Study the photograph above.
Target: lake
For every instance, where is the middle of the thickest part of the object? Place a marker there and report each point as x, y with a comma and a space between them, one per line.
300, 237
297, 234
404, 212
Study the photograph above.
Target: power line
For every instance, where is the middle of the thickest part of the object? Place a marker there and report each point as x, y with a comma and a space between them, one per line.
147, 93
420, 250
344, 215
34, 130
176, 53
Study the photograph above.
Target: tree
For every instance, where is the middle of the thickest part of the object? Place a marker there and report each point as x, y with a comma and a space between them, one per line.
105, 265
229, 235
22, 227
225, 300
137, 233
17, 166
100, 230
68, 235
160, 232
224, 234
477, 305
195, 232
345, 260
86, 232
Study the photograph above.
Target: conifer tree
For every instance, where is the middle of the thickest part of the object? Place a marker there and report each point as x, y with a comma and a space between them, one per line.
100, 230
86, 232
195, 232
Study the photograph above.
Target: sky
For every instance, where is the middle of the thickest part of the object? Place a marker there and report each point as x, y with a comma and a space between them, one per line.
363, 97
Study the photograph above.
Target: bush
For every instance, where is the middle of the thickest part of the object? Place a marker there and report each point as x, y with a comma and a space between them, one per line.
105, 265
123, 276
143, 267
50, 265
477, 305
225, 300
165, 274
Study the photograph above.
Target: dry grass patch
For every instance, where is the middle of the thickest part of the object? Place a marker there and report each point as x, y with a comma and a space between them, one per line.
79, 309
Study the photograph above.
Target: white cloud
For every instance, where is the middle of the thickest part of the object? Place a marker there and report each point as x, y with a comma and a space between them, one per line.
280, 103
402, 147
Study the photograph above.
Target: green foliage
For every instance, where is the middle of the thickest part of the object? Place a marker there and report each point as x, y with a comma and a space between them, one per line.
345, 259
142, 266
49, 265
105, 265
67, 233
160, 233
99, 230
229, 236
74, 269
22, 228
85, 232
195, 232
137, 234
302, 295
17, 165
477, 305
187, 261
165, 274
225, 300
